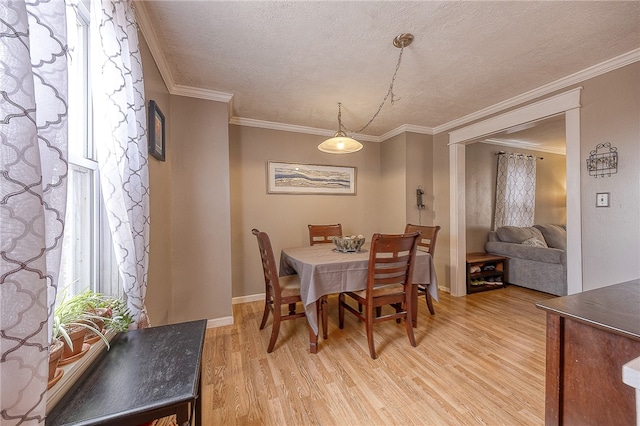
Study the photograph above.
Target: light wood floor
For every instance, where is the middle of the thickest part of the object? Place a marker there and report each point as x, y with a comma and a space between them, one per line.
479, 361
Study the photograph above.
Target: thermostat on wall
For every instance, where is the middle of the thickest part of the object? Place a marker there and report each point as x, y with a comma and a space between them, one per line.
602, 199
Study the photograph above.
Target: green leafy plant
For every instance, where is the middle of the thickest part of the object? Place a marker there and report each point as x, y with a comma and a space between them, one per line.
83, 310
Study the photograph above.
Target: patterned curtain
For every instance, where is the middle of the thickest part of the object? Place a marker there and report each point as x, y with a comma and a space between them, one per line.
33, 187
515, 190
121, 140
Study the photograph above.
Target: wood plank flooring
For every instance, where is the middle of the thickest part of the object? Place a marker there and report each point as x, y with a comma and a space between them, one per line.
479, 361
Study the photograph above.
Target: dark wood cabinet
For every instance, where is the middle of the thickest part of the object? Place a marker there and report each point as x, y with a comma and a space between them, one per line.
485, 272
590, 336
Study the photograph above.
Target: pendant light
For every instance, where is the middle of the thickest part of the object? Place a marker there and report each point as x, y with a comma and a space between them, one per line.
340, 143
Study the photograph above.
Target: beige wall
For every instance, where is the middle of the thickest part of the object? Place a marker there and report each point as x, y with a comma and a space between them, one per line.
159, 299
611, 236
285, 216
393, 184
201, 209
480, 181
419, 172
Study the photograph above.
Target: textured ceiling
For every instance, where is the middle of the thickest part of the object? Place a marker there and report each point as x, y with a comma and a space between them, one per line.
292, 62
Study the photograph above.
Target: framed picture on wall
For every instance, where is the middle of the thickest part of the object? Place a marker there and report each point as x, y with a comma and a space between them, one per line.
297, 178
156, 131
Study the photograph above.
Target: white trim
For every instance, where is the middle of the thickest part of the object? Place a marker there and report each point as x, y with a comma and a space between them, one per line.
144, 23
457, 140
273, 125
541, 109
219, 322
573, 202
194, 92
458, 231
576, 78
247, 299
514, 143
406, 128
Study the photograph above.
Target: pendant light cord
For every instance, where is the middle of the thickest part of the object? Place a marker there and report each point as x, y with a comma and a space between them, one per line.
389, 93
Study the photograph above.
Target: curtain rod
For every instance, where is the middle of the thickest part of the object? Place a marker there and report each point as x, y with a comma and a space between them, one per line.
519, 155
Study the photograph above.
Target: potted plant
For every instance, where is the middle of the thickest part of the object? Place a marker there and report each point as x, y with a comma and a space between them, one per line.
56, 349
73, 317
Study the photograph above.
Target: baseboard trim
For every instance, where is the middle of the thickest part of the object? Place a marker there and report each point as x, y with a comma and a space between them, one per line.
219, 322
247, 299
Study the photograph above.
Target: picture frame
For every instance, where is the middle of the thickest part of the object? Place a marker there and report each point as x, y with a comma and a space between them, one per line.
299, 178
156, 131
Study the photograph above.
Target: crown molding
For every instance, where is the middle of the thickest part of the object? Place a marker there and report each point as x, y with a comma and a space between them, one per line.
514, 143
273, 125
576, 78
194, 92
144, 24
407, 128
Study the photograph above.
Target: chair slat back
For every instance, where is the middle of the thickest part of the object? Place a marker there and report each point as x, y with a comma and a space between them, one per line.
427, 239
391, 260
269, 268
322, 234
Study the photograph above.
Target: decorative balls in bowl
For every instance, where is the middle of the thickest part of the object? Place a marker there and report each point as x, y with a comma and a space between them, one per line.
349, 243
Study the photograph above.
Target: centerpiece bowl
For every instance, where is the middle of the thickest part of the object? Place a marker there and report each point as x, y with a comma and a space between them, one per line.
349, 243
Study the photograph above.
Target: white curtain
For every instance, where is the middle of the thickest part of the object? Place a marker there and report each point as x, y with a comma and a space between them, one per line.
33, 188
515, 190
120, 137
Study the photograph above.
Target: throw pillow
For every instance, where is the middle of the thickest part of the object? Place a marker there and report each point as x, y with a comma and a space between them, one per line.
517, 234
534, 242
554, 235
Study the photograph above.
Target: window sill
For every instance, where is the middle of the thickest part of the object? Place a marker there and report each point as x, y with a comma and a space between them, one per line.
73, 371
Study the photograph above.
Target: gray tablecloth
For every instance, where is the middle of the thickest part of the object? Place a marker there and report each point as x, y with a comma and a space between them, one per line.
324, 271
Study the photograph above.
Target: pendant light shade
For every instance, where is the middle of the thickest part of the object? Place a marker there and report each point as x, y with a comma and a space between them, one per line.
340, 144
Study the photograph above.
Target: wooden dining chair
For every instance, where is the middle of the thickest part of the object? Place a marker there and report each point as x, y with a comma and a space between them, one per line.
322, 234
391, 262
278, 290
426, 243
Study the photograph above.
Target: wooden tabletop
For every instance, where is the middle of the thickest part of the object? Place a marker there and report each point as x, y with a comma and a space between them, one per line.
146, 372
615, 308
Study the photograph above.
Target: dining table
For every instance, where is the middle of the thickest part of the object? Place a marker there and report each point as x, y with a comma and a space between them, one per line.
323, 270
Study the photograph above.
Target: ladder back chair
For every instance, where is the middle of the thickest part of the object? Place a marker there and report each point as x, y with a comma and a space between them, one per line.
322, 234
426, 243
391, 262
278, 290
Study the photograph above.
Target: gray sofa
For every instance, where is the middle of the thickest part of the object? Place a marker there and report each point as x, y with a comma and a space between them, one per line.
537, 256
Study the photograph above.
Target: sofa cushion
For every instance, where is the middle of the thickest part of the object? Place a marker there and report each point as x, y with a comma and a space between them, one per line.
534, 242
517, 234
555, 235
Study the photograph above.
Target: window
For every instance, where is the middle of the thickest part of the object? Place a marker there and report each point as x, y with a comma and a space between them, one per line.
87, 255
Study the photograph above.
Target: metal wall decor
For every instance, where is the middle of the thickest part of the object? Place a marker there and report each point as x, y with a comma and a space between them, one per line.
603, 160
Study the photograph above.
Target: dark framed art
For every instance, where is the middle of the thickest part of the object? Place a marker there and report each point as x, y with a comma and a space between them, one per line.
156, 131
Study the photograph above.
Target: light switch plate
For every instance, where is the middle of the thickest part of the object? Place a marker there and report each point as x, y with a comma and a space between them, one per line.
602, 199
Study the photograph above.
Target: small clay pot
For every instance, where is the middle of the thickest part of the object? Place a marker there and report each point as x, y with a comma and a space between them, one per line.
56, 349
76, 334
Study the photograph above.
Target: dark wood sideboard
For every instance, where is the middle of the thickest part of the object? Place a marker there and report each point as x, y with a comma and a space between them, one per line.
590, 336
147, 374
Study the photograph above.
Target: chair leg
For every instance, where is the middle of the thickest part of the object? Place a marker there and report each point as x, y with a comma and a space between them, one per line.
275, 329
369, 327
292, 308
341, 311
408, 323
265, 316
427, 295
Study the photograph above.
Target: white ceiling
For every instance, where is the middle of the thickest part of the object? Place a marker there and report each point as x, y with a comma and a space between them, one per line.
292, 62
